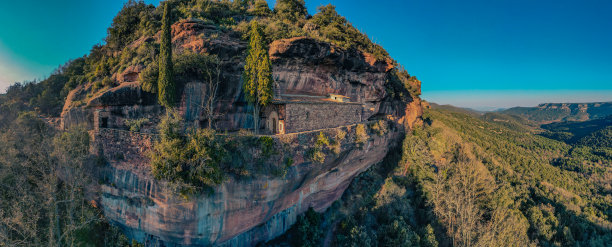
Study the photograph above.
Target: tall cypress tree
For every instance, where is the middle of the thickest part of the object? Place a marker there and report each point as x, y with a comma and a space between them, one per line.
257, 76
166, 87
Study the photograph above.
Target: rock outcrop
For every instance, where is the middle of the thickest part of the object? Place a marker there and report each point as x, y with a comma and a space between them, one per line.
241, 211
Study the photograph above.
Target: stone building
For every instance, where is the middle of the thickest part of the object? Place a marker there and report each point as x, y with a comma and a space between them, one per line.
297, 113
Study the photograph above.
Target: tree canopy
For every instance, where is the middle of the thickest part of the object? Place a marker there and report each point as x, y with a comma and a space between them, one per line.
292, 10
166, 86
257, 77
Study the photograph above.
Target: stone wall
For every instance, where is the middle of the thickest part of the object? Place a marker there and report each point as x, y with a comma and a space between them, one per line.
123, 147
313, 116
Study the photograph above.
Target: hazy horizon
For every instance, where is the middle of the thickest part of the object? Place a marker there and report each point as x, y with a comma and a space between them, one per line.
495, 99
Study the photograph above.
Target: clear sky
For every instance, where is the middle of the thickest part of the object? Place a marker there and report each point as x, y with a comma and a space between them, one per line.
471, 53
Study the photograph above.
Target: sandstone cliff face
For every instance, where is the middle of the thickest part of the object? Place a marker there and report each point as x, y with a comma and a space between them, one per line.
301, 66
241, 211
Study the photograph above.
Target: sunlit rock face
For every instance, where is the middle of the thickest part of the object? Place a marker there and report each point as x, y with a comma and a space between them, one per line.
241, 211
306, 66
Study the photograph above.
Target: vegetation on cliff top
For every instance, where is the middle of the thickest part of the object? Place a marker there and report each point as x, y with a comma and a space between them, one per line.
129, 44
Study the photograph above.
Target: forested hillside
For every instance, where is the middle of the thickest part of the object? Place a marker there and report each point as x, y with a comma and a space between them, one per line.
469, 180
556, 112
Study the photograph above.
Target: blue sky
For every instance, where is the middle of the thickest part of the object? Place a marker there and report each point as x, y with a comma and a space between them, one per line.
470, 53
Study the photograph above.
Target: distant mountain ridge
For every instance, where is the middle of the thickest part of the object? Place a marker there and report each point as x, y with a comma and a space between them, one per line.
556, 112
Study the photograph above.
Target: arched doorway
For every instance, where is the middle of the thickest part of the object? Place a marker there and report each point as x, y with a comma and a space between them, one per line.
273, 122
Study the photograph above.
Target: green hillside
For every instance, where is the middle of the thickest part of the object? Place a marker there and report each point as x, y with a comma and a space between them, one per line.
468, 180
574, 131
556, 112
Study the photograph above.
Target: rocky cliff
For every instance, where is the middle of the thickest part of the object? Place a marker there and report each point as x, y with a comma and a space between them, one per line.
241, 211
244, 210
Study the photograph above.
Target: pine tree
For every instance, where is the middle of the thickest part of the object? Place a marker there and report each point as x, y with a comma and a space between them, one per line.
261, 8
257, 76
165, 85
291, 10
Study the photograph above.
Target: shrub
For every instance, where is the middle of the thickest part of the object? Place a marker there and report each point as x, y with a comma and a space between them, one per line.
97, 85
192, 162
291, 10
361, 136
282, 171
308, 228
148, 78
379, 127
317, 153
107, 82
336, 145
135, 124
328, 25
127, 22
429, 237
193, 66
260, 8
266, 144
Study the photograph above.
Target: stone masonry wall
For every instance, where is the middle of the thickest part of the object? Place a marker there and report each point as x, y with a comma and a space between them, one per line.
313, 116
123, 146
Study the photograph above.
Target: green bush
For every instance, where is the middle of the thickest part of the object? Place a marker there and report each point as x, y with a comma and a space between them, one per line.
336, 143
193, 161
330, 26
108, 82
260, 8
135, 124
148, 78
194, 66
266, 144
380, 127
308, 228
429, 237
127, 23
317, 153
398, 233
361, 136
291, 10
